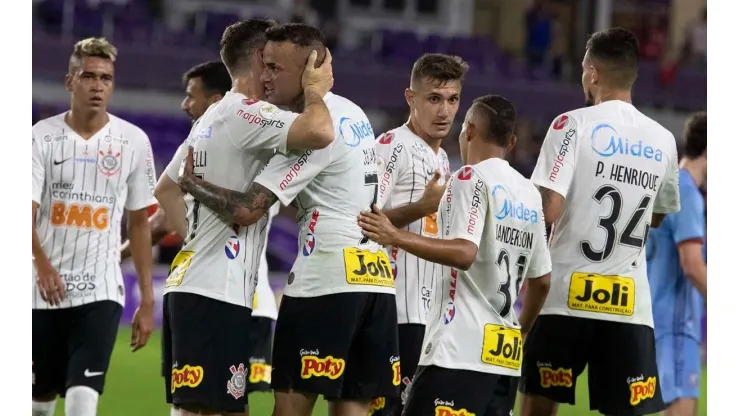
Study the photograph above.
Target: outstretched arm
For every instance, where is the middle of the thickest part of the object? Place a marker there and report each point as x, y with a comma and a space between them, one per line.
242, 208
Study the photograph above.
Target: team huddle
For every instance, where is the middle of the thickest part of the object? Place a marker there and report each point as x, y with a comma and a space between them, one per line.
401, 298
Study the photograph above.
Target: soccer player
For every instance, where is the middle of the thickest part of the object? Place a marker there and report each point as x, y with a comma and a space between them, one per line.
492, 238
411, 162
607, 173
336, 332
88, 166
677, 272
205, 84
208, 294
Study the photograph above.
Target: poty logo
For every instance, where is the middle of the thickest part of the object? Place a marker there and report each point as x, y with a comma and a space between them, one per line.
617, 145
511, 209
352, 132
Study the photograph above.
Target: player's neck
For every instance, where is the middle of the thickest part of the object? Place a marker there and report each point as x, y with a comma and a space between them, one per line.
86, 123
477, 155
615, 95
432, 142
696, 171
243, 85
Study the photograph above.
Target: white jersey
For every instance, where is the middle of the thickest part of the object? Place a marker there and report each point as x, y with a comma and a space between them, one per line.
330, 187
232, 142
405, 164
82, 187
615, 167
264, 304
472, 323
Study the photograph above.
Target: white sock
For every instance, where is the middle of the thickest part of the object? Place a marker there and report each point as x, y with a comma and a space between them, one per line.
43, 408
81, 401
174, 411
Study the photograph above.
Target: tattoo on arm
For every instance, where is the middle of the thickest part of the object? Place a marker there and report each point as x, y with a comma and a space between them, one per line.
231, 204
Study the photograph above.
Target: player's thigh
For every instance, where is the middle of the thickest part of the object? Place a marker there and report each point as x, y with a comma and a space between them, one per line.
209, 353
374, 366
92, 336
443, 391
410, 339
167, 361
622, 370
555, 353
679, 367
260, 354
312, 342
49, 351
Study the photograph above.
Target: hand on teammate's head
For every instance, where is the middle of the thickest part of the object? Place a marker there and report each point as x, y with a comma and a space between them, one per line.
318, 77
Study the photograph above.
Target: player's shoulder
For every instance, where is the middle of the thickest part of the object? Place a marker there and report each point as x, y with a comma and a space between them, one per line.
238, 106
468, 175
48, 125
400, 136
350, 121
129, 130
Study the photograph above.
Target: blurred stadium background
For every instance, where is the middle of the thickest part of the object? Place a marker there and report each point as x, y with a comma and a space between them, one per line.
527, 50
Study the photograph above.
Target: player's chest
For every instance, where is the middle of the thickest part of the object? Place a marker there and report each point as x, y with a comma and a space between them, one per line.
420, 167
102, 163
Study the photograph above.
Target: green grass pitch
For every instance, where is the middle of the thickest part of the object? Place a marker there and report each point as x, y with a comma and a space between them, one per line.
134, 386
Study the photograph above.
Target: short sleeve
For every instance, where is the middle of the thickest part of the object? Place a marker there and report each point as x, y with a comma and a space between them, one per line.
38, 171
286, 175
254, 124
540, 264
390, 154
468, 206
556, 164
688, 223
173, 168
667, 200
143, 178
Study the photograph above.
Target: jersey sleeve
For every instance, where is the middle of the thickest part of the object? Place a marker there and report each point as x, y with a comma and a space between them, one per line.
173, 168
391, 155
468, 206
688, 223
38, 171
286, 175
143, 178
540, 264
255, 125
667, 200
556, 164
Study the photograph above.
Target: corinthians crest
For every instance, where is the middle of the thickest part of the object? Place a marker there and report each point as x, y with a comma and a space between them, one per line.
238, 383
109, 163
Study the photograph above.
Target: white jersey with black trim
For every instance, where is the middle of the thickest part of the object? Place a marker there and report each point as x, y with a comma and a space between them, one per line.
82, 188
472, 324
232, 141
615, 167
263, 304
406, 163
330, 187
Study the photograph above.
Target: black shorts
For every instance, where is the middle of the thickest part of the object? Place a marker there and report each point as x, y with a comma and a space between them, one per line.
72, 346
260, 354
206, 346
622, 371
443, 391
410, 340
342, 346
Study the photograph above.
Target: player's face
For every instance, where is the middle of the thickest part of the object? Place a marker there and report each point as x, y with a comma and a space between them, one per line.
91, 83
588, 80
434, 106
197, 99
282, 72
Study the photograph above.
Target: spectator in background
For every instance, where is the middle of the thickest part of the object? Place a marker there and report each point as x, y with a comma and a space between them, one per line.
695, 45
539, 34
304, 13
653, 38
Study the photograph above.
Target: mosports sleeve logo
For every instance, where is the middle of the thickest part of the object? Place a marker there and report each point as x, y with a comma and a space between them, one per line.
508, 208
641, 389
186, 377
329, 367
561, 377
606, 142
353, 132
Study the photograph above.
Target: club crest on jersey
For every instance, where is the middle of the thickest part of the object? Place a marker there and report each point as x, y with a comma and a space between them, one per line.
109, 163
238, 383
309, 244
232, 247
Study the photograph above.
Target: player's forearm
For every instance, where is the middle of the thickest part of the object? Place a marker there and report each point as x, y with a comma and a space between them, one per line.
457, 253
534, 300
405, 215
140, 243
170, 199
242, 208
158, 227
553, 204
698, 278
313, 129
38, 255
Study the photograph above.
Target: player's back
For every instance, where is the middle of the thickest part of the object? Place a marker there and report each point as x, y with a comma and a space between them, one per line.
679, 303
615, 166
230, 147
494, 206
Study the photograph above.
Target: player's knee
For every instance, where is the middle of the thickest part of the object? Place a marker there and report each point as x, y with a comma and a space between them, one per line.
533, 405
358, 407
81, 401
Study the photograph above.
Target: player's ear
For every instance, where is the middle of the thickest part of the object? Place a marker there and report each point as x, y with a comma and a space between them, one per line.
214, 99
409, 94
594, 76
512, 143
68, 82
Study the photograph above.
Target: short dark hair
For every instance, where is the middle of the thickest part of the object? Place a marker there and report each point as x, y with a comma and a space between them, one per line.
695, 135
297, 33
500, 114
618, 49
241, 39
439, 67
213, 74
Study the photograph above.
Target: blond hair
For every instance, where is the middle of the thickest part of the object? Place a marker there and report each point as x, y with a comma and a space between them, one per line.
92, 47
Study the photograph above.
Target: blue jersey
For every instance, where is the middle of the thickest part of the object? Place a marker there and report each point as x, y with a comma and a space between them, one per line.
677, 306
